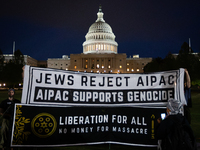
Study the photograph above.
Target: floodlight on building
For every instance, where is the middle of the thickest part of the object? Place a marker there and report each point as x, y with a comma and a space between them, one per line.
136, 56
104, 70
20, 84
4, 84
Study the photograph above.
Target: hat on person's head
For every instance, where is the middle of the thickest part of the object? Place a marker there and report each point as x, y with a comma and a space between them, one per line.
174, 106
11, 90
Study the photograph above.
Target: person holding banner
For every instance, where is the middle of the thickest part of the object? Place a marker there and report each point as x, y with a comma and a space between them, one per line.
174, 132
6, 109
187, 92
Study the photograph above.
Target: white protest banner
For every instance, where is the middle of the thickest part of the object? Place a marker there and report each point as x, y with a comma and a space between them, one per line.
60, 87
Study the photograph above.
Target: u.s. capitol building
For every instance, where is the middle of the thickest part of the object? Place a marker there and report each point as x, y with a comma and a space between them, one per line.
100, 53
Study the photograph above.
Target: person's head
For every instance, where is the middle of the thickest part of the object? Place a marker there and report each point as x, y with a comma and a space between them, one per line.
173, 107
11, 93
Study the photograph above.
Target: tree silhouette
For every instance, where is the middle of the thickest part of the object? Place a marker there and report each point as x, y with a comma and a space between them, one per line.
185, 59
155, 65
12, 71
18, 57
185, 49
1, 65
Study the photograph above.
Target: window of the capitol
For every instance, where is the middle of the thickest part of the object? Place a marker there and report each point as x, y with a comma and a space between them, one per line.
101, 47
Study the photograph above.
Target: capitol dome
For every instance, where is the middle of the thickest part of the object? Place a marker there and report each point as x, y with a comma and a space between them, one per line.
100, 38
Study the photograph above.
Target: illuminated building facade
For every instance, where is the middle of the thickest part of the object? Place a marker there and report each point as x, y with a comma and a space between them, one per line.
100, 52
59, 63
28, 60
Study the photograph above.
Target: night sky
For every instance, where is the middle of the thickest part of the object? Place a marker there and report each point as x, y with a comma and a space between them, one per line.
46, 29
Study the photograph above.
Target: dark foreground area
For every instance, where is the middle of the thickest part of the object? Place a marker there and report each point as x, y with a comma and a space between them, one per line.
195, 114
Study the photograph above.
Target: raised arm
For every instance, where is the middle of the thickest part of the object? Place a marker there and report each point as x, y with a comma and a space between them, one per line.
188, 82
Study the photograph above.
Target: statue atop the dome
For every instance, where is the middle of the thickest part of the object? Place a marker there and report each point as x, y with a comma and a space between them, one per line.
100, 8
100, 15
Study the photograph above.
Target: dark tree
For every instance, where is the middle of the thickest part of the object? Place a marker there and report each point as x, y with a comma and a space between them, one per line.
12, 74
169, 63
18, 57
155, 65
185, 49
1, 65
185, 59
191, 63
1, 59
12, 71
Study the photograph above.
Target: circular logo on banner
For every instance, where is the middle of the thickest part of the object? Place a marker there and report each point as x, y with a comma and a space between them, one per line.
43, 125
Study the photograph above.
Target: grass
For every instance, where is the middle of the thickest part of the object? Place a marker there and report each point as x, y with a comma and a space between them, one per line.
195, 114
195, 124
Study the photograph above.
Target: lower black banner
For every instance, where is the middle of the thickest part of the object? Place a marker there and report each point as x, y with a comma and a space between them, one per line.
51, 126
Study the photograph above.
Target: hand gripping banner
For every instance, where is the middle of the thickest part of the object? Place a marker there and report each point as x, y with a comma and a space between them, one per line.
60, 87
51, 126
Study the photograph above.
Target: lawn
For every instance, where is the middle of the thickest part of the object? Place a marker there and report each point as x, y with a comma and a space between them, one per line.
195, 114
